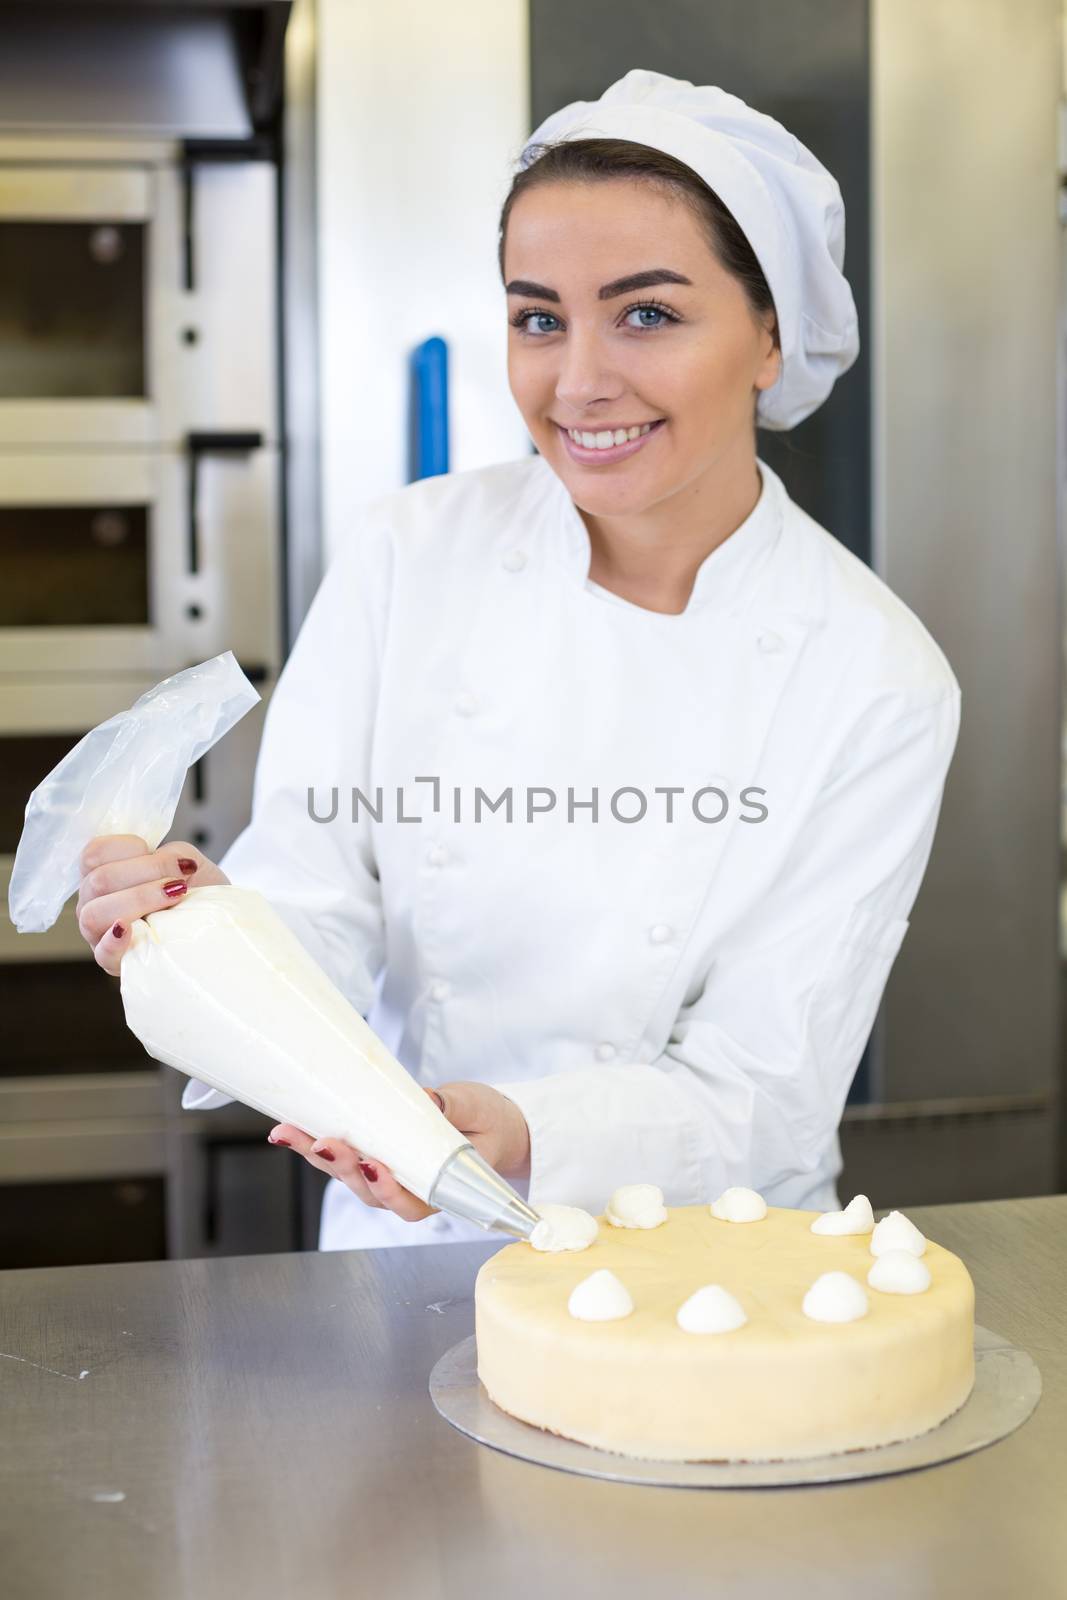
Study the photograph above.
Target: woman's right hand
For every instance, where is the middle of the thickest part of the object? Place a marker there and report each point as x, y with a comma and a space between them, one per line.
123, 880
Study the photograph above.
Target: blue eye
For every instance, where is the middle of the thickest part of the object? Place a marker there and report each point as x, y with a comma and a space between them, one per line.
521, 319
658, 311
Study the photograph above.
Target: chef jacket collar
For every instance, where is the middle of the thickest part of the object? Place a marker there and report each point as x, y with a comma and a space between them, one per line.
724, 578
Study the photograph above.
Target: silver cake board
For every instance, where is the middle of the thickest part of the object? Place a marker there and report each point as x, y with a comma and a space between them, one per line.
1007, 1387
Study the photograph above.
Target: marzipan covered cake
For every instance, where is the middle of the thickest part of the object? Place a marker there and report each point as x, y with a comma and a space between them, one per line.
729, 1332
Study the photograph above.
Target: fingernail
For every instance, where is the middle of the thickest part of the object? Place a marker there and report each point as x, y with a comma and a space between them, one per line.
185, 865
118, 931
174, 889
285, 1142
323, 1155
437, 1097
369, 1172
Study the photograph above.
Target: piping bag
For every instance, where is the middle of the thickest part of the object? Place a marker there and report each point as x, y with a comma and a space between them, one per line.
218, 986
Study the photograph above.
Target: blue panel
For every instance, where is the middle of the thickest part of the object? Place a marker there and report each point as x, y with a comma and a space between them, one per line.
428, 410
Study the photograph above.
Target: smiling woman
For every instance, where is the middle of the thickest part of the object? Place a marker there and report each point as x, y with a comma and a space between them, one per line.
601, 998
605, 374
645, 407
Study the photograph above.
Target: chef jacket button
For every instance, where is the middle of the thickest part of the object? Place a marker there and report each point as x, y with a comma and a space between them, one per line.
660, 933
466, 704
771, 643
439, 989
605, 1051
437, 855
515, 560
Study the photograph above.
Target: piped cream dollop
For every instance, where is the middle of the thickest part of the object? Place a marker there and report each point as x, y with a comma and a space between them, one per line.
835, 1297
712, 1309
563, 1228
899, 1272
857, 1217
896, 1232
739, 1205
636, 1205
600, 1298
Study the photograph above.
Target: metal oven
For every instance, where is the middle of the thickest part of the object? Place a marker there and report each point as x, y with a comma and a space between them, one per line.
139, 468
141, 530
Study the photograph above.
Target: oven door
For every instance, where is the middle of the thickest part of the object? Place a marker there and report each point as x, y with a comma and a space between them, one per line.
138, 301
115, 1188
109, 564
75, 1194
74, 354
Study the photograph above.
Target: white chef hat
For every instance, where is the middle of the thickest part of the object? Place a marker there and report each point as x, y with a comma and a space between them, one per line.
786, 203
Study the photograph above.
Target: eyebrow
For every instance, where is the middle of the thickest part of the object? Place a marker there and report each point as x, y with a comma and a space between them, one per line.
634, 280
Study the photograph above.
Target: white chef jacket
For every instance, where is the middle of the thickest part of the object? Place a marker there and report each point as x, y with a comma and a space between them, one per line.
676, 1002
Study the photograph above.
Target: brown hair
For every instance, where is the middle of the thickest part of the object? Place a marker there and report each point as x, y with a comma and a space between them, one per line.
590, 160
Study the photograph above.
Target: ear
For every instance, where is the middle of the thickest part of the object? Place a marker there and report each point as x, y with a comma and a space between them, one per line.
770, 367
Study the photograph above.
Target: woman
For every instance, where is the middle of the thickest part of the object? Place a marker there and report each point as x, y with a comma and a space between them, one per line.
721, 739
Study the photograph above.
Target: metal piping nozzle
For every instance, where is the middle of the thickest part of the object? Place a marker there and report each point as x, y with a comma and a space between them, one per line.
468, 1187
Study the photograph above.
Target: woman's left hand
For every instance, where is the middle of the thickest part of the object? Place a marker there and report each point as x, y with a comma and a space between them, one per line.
494, 1125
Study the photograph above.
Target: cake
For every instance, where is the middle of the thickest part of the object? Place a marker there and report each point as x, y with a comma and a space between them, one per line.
732, 1332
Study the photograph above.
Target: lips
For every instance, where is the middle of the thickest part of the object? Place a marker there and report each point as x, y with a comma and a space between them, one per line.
613, 453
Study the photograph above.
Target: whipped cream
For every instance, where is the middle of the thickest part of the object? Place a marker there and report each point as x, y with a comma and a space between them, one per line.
836, 1297
739, 1205
857, 1217
563, 1228
896, 1232
712, 1309
899, 1272
636, 1205
221, 989
600, 1298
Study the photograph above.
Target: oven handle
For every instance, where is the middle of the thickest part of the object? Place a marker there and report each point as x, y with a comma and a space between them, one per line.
201, 152
209, 444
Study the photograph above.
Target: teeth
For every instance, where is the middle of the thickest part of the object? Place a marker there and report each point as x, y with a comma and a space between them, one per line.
606, 440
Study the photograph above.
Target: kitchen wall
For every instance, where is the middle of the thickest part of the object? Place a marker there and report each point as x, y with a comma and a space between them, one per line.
418, 107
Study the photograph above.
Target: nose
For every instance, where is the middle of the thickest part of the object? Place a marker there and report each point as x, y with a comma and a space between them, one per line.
585, 376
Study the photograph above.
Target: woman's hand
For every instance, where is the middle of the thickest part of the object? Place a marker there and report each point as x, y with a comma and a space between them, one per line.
494, 1125
123, 880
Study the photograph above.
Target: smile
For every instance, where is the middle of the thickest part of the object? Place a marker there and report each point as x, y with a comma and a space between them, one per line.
607, 445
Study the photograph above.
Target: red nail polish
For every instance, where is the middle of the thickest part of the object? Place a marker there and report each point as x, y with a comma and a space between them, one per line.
323, 1155
174, 889
185, 865
369, 1172
118, 931
285, 1142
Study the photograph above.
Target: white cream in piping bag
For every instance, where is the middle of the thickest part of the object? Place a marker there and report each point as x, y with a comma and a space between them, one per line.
219, 988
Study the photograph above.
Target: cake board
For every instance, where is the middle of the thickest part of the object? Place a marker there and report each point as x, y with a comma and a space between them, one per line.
1007, 1387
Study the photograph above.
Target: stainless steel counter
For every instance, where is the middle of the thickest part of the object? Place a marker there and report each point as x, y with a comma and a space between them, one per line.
260, 1426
